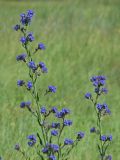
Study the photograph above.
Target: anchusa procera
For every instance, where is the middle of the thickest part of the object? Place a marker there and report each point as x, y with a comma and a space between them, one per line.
101, 110
47, 141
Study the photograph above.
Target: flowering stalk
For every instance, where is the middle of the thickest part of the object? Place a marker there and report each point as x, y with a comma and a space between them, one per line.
100, 110
50, 132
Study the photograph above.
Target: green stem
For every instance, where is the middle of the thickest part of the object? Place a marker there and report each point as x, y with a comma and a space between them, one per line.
34, 93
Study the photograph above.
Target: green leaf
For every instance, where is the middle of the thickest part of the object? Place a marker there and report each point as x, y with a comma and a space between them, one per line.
40, 139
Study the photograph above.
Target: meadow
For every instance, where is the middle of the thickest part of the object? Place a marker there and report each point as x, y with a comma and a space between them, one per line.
82, 39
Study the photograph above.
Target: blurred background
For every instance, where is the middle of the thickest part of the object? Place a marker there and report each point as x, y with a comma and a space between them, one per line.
82, 39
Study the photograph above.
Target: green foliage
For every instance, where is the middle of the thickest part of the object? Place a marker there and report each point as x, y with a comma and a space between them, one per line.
82, 39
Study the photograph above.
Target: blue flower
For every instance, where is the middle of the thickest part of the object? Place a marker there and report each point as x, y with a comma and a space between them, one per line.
104, 90
26, 18
97, 90
93, 130
41, 64
88, 96
54, 147
30, 37
21, 57
62, 113
22, 104
20, 83
25, 104
52, 157
23, 40
109, 137
16, 27
30, 13
41, 46
99, 107
43, 67
45, 150
54, 109
54, 132
109, 157
98, 80
104, 108
67, 122
80, 135
43, 110
103, 138
52, 89
28, 103
29, 85
55, 125
32, 139
17, 147
32, 65
68, 141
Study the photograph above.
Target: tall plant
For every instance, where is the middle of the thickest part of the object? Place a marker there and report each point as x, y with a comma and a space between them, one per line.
48, 141
101, 110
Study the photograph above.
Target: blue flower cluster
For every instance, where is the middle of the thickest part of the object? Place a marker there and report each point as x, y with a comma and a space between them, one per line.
62, 113
43, 67
106, 138
52, 89
25, 104
21, 57
49, 132
26, 18
32, 140
101, 110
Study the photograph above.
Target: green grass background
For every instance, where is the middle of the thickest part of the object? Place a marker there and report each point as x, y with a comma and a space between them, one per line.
82, 39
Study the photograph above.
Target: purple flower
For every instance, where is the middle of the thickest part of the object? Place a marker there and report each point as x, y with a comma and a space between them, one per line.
41, 46
88, 96
22, 104
80, 135
45, 150
26, 18
54, 147
16, 27
29, 85
97, 90
103, 138
99, 107
55, 125
41, 64
17, 147
32, 139
21, 57
98, 80
109, 137
52, 89
32, 65
43, 67
68, 141
93, 130
104, 90
23, 40
25, 104
43, 110
20, 83
62, 113
54, 110
28, 103
52, 157
67, 122
54, 132
30, 37
109, 157
30, 13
